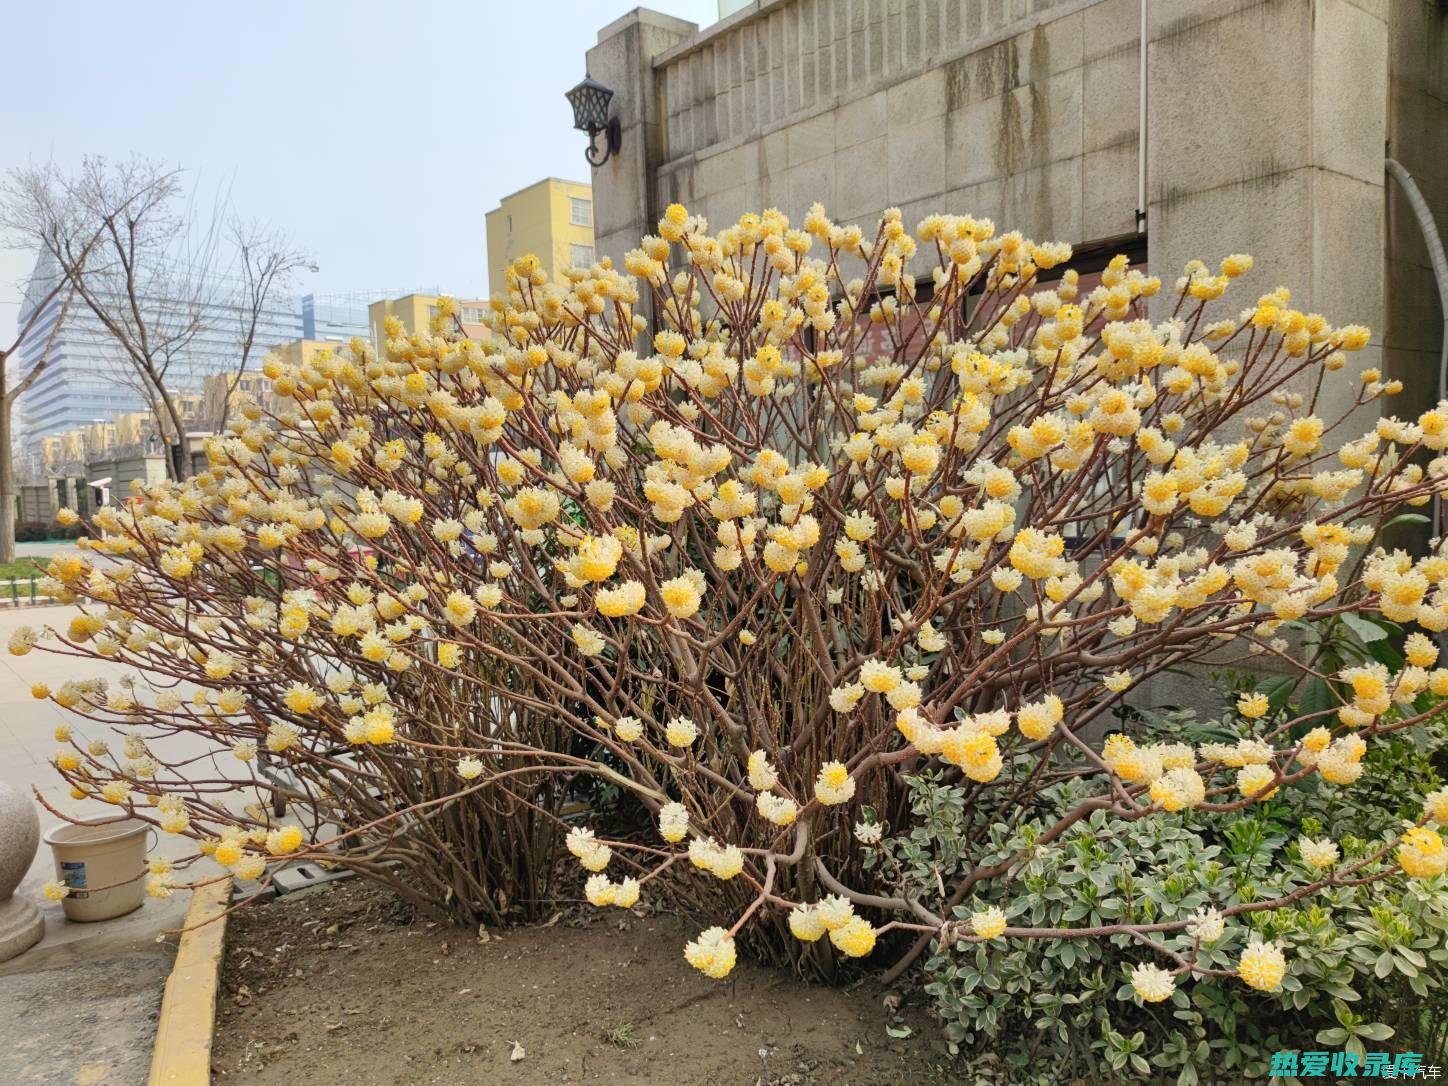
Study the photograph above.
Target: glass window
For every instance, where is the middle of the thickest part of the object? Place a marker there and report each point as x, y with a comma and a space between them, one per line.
580, 211
581, 256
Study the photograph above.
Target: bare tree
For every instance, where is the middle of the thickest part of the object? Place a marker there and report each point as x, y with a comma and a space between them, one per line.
154, 273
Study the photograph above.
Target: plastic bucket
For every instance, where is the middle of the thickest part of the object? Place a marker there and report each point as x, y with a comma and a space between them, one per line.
103, 863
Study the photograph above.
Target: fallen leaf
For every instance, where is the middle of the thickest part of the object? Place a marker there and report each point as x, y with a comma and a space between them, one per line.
517, 1053
899, 1031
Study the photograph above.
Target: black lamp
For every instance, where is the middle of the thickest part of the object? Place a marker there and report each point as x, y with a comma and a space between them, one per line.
590, 114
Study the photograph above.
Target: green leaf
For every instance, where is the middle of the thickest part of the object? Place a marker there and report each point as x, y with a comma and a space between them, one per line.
1316, 698
1376, 1031
899, 1031
1407, 518
1335, 1036
1366, 630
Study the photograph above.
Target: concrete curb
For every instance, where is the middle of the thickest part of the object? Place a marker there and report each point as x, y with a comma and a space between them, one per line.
182, 1056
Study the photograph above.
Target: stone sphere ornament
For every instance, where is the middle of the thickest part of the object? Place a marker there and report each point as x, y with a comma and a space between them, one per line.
21, 925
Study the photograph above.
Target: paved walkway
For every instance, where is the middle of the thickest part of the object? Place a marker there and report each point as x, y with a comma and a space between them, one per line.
87, 993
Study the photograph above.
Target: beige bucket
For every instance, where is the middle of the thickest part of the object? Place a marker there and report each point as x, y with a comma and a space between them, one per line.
103, 863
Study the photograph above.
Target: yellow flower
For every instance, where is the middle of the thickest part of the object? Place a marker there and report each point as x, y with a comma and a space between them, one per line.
1323, 853
589, 641
1420, 651
1422, 853
805, 923
1252, 706
628, 728
1152, 983
673, 822
1252, 779
1262, 966
301, 698
681, 597
712, 953
626, 599
780, 810
175, 821
855, 937
227, 853
249, 866
459, 608
1236, 264
762, 774
600, 891
988, 923
1118, 682
287, 839
1037, 720
681, 732
176, 563
1435, 806
626, 896
597, 558
378, 727
834, 784
117, 791
844, 698
55, 891
879, 677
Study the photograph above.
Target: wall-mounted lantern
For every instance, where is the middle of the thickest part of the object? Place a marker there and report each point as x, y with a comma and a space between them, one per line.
590, 114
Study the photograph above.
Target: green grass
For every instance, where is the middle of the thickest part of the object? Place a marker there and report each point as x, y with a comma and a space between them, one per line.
21, 568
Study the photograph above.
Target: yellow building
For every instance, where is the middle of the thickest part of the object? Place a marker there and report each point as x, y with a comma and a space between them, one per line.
301, 351
552, 219
223, 393
415, 311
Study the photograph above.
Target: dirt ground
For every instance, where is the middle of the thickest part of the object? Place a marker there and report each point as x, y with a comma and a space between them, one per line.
345, 985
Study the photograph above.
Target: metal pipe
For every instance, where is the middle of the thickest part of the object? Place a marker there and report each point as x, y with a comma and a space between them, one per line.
1439, 262
1141, 125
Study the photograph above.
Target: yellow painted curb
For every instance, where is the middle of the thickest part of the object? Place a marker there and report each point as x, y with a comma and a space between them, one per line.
182, 1056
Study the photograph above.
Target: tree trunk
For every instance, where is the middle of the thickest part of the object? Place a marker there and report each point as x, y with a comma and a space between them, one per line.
7, 483
176, 466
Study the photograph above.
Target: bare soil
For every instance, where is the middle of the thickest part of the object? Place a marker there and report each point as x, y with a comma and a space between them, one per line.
346, 986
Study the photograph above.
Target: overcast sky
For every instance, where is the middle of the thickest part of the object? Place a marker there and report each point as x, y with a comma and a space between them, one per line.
378, 134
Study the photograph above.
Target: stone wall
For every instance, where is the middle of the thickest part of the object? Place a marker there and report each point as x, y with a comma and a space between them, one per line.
1266, 130
1417, 136
1026, 113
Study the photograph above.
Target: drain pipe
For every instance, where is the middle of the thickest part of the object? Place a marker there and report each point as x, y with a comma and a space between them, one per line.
1439, 263
1141, 126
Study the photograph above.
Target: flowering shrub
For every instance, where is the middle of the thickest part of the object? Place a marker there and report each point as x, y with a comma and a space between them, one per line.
753, 534
1363, 961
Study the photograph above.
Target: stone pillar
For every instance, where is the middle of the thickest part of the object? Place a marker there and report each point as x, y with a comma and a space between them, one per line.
1266, 126
625, 206
20, 923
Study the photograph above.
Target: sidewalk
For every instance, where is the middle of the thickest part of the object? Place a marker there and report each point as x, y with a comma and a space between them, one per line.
80, 1006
